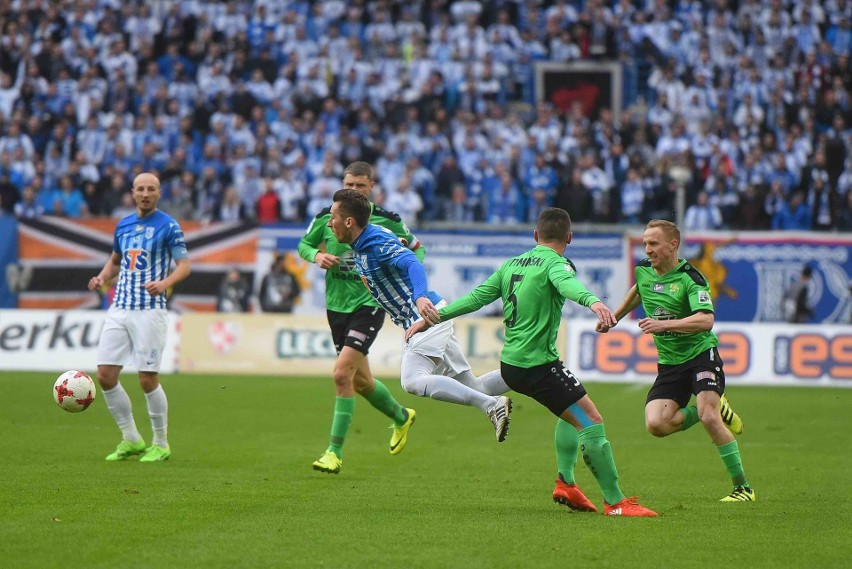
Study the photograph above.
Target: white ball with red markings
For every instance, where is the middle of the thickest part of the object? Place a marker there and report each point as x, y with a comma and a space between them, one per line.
74, 391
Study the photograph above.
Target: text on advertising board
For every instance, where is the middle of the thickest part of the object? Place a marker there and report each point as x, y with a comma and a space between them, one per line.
620, 350
811, 356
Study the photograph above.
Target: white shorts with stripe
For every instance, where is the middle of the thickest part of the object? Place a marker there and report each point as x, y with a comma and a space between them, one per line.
440, 344
134, 336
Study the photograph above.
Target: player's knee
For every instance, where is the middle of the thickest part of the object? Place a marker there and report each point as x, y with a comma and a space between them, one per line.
412, 385
709, 415
656, 426
595, 417
343, 378
107, 379
149, 381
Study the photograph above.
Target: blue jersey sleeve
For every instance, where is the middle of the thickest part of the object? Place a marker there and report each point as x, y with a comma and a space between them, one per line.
176, 242
409, 264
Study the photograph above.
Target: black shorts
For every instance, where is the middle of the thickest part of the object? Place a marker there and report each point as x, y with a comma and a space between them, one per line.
552, 385
704, 372
355, 329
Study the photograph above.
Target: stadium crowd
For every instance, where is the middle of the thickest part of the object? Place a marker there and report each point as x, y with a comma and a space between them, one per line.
251, 109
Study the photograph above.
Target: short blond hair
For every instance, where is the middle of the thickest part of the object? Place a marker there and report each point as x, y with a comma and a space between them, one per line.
669, 228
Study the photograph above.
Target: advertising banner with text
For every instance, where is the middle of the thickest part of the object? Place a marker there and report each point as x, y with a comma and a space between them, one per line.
59, 340
753, 354
302, 346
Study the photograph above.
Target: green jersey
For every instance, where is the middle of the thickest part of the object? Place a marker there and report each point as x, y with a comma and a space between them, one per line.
681, 292
344, 291
533, 287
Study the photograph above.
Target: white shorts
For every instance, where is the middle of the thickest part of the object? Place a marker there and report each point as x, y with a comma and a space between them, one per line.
137, 335
439, 343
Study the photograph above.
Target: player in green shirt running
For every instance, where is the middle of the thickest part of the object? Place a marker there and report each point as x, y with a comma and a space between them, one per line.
533, 287
355, 320
679, 310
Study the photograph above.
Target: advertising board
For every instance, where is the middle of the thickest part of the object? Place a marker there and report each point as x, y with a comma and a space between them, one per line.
59, 340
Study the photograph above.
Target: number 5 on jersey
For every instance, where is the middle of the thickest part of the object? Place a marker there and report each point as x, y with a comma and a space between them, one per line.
513, 300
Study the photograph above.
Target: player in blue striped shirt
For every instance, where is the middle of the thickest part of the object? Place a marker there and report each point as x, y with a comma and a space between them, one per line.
144, 247
434, 365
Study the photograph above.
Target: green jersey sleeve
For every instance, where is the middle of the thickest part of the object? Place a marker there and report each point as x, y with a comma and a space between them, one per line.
484, 294
698, 296
309, 244
563, 276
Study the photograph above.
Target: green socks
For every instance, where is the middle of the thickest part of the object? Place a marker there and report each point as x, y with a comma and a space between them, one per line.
690, 416
597, 454
730, 454
567, 443
381, 399
343, 409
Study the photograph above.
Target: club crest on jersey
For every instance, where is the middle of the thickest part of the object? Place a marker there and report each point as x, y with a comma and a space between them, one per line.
658, 287
703, 297
674, 288
149, 233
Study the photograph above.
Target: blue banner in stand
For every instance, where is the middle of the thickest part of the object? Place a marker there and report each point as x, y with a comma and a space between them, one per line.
748, 275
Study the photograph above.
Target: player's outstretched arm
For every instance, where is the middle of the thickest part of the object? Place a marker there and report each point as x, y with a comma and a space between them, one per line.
629, 304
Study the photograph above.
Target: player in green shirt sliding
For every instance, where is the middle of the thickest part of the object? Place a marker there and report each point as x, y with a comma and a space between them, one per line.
534, 287
679, 310
355, 320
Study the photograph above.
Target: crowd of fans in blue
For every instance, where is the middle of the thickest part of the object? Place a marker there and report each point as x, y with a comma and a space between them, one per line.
250, 110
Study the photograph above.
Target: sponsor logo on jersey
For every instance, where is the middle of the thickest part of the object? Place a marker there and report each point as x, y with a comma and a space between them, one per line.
346, 262
658, 287
661, 313
140, 227
136, 259
703, 297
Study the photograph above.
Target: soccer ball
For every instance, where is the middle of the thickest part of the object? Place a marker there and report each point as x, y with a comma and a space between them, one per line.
74, 391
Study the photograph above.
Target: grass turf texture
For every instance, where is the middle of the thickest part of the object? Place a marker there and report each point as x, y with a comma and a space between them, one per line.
239, 490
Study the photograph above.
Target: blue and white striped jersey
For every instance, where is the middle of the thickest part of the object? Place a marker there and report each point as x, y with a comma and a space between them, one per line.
147, 246
385, 266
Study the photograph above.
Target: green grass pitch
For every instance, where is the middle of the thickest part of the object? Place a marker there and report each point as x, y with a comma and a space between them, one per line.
239, 491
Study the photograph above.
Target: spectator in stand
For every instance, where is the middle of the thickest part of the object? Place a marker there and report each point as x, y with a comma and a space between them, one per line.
223, 86
268, 205
68, 201
231, 208
701, 216
28, 208
405, 201
793, 215
505, 205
